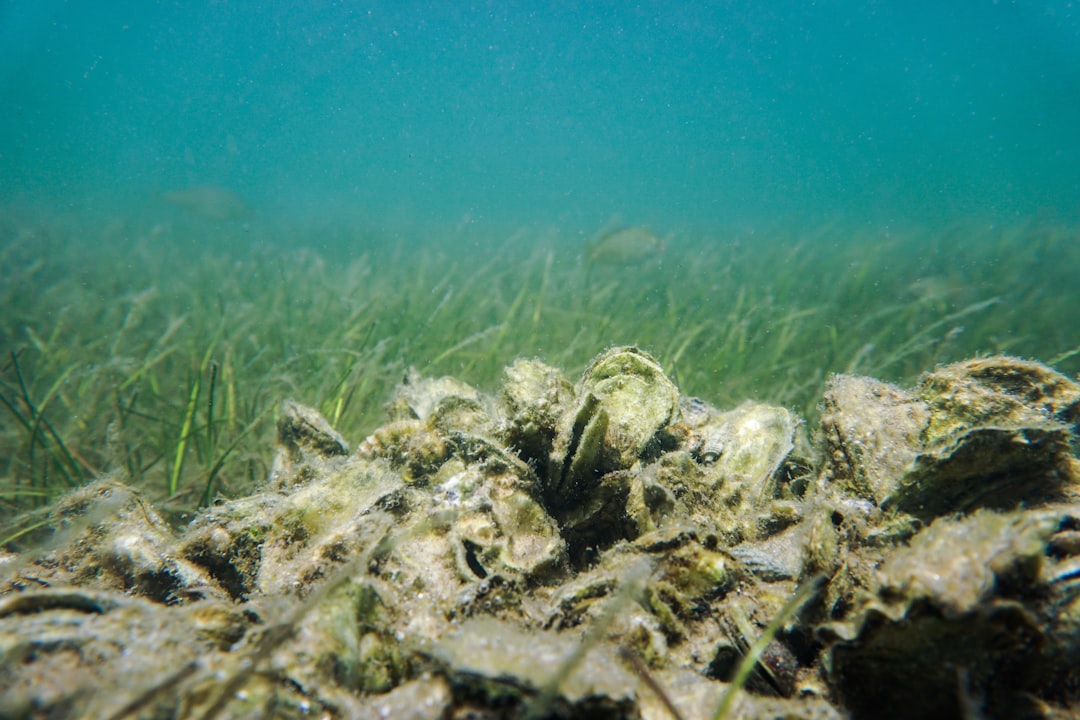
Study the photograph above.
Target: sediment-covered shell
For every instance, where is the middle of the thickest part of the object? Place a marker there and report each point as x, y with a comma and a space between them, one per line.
992, 432
409, 445
733, 483
496, 527
746, 446
999, 435
533, 398
609, 550
418, 397
1000, 391
871, 431
301, 428
624, 399
505, 667
304, 439
970, 609
60, 646
637, 396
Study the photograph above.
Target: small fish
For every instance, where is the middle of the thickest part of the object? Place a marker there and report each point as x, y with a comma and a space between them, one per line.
625, 246
210, 202
935, 287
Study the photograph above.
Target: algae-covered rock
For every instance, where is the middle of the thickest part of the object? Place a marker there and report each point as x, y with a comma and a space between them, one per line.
607, 549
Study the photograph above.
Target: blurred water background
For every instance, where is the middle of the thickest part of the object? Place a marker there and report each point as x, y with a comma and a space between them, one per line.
302, 199
418, 115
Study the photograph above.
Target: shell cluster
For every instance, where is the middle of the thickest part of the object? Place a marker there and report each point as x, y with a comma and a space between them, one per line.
601, 548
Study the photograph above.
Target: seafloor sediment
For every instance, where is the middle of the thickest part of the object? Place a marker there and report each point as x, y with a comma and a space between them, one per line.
604, 549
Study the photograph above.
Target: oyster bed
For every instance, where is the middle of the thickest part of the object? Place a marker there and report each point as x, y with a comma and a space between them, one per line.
604, 549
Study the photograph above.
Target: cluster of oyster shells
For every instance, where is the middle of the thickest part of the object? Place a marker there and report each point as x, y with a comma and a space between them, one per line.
608, 548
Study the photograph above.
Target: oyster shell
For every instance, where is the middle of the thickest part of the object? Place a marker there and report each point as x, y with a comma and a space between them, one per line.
971, 608
624, 400
609, 550
871, 433
443, 405
745, 447
533, 398
992, 432
500, 665
304, 437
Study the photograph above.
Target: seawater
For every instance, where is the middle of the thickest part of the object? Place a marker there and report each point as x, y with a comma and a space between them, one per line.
508, 114
447, 128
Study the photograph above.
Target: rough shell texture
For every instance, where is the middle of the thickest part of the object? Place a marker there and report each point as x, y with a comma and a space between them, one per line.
1000, 391
972, 608
417, 396
624, 400
638, 398
78, 640
533, 398
605, 550
871, 434
992, 432
746, 446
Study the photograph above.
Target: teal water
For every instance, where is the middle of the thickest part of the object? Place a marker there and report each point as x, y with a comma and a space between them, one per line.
502, 115
870, 187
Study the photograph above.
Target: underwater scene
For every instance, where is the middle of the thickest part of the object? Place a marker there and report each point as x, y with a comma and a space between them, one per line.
504, 360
